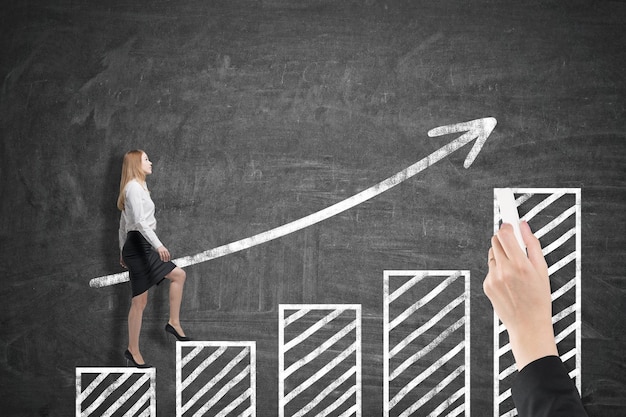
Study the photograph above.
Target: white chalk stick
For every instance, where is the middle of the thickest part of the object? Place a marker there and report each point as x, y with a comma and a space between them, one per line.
508, 212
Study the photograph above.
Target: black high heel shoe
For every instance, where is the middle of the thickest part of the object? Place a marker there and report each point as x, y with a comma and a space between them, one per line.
170, 329
130, 359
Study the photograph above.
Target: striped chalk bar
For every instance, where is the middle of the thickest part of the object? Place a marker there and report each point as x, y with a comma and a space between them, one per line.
319, 360
215, 378
426, 343
107, 391
554, 216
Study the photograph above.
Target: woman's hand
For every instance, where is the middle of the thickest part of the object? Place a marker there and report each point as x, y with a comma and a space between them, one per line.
164, 254
122, 262
519, 290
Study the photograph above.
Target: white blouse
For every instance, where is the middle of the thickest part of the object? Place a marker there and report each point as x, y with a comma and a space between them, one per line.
138, 214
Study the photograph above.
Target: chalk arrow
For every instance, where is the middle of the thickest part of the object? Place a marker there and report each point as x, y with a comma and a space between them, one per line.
478, 129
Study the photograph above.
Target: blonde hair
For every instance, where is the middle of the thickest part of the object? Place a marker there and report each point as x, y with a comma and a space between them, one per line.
131, 170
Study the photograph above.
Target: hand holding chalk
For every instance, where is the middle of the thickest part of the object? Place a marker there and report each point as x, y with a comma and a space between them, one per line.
508, 212
518, 287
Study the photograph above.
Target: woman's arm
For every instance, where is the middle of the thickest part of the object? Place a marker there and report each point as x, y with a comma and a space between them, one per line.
518, 287
121, 235
137, 213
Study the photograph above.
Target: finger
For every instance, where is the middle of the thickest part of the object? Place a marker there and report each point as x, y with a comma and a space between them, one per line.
491, 260
535, 255
498, 252
487, 285
491, 284
509, 243
487, 282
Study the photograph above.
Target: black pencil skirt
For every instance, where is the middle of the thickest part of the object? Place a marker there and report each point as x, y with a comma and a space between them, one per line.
145, 267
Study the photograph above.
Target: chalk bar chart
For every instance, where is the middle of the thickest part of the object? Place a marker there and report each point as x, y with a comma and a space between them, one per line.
426, 343
426, 347
215, 379
554, 215
110, 391
319, 360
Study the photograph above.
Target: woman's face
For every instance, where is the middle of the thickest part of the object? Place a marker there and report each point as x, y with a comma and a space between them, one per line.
146, 165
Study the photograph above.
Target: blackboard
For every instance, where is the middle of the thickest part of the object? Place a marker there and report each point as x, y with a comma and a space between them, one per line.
259, 113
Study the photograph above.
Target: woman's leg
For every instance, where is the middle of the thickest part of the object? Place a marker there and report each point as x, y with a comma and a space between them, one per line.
177, 281
135, 316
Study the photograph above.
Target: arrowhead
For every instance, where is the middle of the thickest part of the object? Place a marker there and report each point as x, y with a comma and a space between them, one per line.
478, 129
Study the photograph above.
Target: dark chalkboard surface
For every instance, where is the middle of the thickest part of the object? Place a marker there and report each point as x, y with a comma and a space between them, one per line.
259, 113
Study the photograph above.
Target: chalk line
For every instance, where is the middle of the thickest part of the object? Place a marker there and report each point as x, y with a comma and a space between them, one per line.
478, 130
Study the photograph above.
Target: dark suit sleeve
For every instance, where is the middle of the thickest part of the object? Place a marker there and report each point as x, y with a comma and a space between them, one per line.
544, 389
